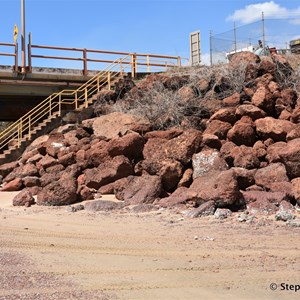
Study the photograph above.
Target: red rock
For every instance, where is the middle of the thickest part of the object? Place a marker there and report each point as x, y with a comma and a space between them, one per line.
48, 178
67, 159
273, 128
175, 82
186, 93
180, 148
97, 154
107, 189
86, 193
274, 87
262, 196
142, 189
108, 172
225, 151
181, 196
290, 157
262, 206
164, 134
225, 114
186, 179
130, 145
244, 177
169, 170
242, 134
295, 117
206, 161
251, 111
203, 85
296, 189
46, 162
24, 198
243, 58
294, 134
274, 172
111, 125
283, 187
211, 141
54, 144
220, 187
61, 192
232, 100
260, 149
218, 128
14, 185
244, 157
273, 151
266, 66
262, 98
264, 80
31, 181
55, 169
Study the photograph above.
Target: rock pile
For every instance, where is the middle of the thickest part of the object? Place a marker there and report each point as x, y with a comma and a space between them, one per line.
247, 156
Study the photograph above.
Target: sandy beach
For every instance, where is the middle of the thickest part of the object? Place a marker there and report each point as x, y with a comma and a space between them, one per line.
52, 253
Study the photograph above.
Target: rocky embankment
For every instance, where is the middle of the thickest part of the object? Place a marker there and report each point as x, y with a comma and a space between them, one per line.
243, 156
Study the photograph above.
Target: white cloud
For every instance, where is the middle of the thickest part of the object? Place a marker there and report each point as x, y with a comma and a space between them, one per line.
253, 12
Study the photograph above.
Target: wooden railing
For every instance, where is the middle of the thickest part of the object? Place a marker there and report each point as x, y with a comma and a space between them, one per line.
75, 99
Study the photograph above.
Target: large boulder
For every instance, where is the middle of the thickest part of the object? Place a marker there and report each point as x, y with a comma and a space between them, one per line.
262, 98
6, 168
275, 129
108, 172
180, 148
242, 133
57, 193
243, 157
218, 128
251, 111
130, 145
206, 161
220, 187
116, 123
139, 189
24, 198
275, 172
14, 185
290, 157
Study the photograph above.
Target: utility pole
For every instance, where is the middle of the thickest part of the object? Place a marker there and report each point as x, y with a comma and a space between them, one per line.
263, 29
23, 56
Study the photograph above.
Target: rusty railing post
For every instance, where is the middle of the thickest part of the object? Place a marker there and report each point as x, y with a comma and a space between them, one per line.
76, 101
85, 71
29, 53
148, 63
179, 61
133, 65
16, 57
121, 67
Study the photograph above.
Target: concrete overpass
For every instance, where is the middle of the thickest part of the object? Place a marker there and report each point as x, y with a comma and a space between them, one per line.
23, 87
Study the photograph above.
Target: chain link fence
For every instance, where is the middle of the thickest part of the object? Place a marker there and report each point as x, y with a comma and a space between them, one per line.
277, 32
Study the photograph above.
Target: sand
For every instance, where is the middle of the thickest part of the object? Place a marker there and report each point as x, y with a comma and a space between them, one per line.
51, 253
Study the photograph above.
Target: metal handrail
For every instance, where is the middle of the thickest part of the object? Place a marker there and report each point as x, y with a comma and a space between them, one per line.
15, 54
53, 104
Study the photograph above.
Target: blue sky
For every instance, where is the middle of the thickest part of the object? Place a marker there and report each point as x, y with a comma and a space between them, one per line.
144, 26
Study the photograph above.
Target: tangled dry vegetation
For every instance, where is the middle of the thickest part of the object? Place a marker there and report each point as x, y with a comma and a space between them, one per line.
188, 96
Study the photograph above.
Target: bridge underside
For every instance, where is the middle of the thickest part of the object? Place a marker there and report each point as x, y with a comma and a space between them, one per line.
19, 93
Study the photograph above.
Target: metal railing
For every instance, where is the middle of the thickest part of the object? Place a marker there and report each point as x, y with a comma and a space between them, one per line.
139, 62
24, 127
13, 53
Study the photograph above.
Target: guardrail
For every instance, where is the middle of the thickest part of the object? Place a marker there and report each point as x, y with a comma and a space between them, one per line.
13, 53
53, 104
139, 62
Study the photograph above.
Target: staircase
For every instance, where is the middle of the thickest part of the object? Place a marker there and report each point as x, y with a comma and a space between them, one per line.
47, 115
